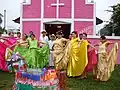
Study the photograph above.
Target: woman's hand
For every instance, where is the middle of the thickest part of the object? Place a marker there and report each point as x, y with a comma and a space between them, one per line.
109, 43
96, 45
41, 42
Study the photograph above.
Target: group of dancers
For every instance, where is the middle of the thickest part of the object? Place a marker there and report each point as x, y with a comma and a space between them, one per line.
76, 55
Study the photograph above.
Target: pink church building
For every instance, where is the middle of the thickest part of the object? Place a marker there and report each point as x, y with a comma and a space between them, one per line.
66, 15
54, 15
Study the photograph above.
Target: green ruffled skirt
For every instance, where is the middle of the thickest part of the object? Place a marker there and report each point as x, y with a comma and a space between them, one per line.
35, 57
22, 50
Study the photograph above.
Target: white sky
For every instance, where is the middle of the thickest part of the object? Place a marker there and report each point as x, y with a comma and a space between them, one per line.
13, 10
101, 6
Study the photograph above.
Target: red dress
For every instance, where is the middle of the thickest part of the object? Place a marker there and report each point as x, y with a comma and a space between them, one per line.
3, 65
92, 60
3, 45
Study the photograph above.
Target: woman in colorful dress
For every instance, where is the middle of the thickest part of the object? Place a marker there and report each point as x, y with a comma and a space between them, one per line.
37, 57
22, 46
18, 36
78, 55
60, 58
3, 65
106, 61
59, 51
12, 38
92, 59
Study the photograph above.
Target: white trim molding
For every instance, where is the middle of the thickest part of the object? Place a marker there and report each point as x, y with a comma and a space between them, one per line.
72, 14
54, 19
32, 19
88, 20
57, 5
63, 20
98, 37
21, 18
42, 15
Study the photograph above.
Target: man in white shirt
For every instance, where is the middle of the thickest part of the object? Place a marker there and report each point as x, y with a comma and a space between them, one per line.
50, 43
44, 38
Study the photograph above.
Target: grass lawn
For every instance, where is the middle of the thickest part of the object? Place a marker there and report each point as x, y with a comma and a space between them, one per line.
7, 80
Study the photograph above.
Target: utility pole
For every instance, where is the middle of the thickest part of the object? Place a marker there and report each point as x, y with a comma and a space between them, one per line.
113, 31
4, 19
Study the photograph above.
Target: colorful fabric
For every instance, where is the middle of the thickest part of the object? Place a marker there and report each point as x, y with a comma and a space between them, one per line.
37, 57
92, 60
13, 40
21, 47
45, 79
106, 62
30, 87
16, 62
62, 79
33, 44
42, 56
8, 54
3, 65
7, 42
78, 57
34, 56
37, 76
21, 50
60, 57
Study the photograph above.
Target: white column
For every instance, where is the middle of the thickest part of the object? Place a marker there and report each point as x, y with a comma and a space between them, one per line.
94, 25
57, 11
72, 14
42, 14
21, 18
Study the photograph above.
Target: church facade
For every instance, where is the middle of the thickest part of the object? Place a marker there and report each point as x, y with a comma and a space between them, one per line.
53, 15
68, 15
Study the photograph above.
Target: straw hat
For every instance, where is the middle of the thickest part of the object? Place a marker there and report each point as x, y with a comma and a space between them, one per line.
43, 31
53, 35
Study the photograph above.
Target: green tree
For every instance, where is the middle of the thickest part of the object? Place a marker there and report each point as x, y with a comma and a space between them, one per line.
107, 30
114, 24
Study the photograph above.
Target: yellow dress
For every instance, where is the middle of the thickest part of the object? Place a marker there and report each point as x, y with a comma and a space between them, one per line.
78, 57
106, 61
60, 56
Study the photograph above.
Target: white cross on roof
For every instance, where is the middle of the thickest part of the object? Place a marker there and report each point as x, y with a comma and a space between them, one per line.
58, 4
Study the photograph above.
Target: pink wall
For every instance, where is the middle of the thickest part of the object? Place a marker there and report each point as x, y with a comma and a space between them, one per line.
96, 41
32, 26
86, 27
33, 10
65, 11
49, 11
83, 10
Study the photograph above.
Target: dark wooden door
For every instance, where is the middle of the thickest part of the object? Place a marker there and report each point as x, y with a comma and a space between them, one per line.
53, 28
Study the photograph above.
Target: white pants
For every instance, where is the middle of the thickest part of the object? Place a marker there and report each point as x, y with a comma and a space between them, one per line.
51, 62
